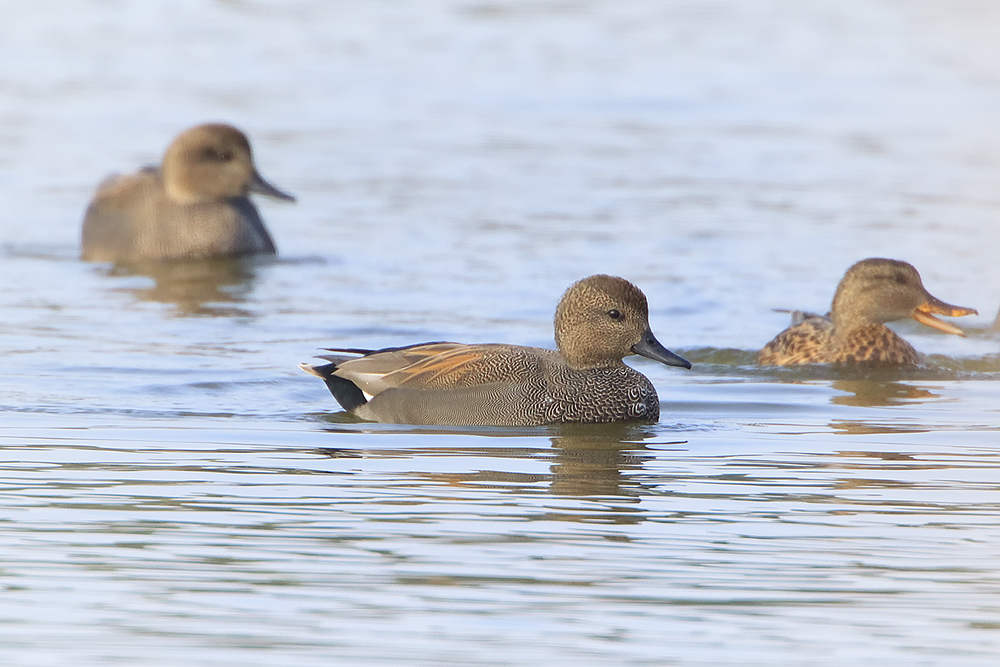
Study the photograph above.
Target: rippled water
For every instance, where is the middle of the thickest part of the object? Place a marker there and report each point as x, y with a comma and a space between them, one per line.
178, 492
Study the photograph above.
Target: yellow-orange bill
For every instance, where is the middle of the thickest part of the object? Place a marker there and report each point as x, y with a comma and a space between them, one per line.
925, 315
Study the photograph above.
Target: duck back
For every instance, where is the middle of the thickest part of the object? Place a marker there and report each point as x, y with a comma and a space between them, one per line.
815, 341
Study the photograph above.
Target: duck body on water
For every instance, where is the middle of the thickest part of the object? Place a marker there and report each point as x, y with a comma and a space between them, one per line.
599, 321
872, 292
195, 205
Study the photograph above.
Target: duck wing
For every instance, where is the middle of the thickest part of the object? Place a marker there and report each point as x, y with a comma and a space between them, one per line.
354, 375
387, 359
801, 343
425, 366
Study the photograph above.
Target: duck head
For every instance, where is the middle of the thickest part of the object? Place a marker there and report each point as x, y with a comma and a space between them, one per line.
213, 162
883, 290
602, 319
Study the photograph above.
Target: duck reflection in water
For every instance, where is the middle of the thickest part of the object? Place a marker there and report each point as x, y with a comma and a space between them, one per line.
602, 461
876, 427
868, 393
595, 462
872, 393
209, 287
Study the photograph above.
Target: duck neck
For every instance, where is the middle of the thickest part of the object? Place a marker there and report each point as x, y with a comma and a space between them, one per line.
580, 360
850, 313
845, 325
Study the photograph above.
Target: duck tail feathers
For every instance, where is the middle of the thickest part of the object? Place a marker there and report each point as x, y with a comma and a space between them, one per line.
346, 392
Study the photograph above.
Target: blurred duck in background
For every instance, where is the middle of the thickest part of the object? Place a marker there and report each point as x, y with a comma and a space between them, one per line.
872, 292
195, 205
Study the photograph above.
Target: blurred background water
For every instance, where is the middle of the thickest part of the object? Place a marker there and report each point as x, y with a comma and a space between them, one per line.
176, 491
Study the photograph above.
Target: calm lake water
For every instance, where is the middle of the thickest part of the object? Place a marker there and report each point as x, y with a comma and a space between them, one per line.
176, 492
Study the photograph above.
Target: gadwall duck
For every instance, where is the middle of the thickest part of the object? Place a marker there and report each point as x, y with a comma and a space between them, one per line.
599, 320
872, 292
194, 206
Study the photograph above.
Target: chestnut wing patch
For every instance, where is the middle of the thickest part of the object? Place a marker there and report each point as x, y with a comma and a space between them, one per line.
428, 366
465, 366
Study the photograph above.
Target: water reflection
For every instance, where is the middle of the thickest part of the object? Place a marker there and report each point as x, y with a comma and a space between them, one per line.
211, 287
872, 393
594, 461
862, 427
587, 460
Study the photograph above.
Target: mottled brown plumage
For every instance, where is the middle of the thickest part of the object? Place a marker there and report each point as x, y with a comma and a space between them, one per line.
194, 206
872, 292
600, 320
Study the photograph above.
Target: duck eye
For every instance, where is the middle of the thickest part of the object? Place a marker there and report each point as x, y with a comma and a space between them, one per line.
900, 278
615, 315
218, 155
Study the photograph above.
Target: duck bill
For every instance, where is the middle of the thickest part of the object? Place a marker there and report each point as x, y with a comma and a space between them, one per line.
260, 186
925, 315
650, 348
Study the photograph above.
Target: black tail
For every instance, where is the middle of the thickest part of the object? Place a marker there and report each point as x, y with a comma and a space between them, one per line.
345, 391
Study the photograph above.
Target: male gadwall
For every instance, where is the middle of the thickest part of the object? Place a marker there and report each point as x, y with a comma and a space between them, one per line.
872, 292
194, 206
599, 320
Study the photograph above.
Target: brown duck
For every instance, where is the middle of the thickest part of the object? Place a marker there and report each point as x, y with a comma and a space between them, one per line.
194, 206
872, 292
599, 320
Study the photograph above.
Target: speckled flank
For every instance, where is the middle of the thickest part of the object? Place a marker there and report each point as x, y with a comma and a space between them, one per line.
510, 385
